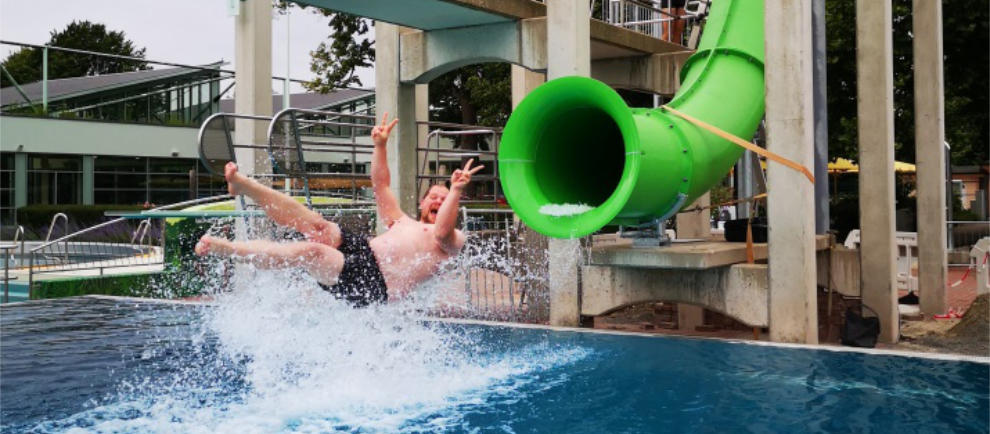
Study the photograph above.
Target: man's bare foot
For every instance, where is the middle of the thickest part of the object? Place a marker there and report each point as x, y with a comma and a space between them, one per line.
235, 180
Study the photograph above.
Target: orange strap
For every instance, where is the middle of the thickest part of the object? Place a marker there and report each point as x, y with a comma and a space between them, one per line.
728, 203
769, 155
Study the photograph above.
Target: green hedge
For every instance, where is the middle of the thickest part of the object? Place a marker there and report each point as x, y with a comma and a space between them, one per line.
130, 285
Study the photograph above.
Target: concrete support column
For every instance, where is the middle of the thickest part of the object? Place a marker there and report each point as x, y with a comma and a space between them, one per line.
689, 317
253, 73
568, 53
929, 136
875, 108
523, 82
399, 100
695, 224
793, 311
821, 117
20, 179
88, 178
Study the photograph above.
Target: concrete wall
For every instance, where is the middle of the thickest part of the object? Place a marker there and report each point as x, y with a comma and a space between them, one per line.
739, 291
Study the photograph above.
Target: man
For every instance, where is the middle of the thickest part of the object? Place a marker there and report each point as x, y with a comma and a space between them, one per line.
347, 264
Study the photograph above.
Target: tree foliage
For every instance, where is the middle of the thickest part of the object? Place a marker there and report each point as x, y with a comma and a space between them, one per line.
966, 44
25, 64
336, 63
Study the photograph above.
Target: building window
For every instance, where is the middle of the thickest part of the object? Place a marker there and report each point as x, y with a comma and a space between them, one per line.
6, 188
54, 179
159, 181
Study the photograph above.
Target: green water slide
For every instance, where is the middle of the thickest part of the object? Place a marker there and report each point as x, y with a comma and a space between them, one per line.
573, 140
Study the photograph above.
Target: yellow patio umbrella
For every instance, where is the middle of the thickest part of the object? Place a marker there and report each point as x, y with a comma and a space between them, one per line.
842, 165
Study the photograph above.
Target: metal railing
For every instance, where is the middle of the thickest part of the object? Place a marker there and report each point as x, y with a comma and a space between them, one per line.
321, 150
657, 18
504, 279
437, 159
104, 246
962, 235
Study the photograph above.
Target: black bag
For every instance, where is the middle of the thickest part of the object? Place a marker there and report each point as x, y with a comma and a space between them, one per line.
735, 230
860, 331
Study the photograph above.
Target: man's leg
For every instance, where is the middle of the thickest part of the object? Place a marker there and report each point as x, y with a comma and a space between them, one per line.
323, 262
283, 209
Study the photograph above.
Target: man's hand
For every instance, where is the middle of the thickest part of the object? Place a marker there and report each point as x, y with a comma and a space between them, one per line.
461, 177
379, 134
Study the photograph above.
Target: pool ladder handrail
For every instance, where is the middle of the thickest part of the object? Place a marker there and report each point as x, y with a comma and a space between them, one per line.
10, 258
65, 231
141, 232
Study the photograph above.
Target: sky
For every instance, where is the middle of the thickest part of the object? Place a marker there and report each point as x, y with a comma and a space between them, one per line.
181, 31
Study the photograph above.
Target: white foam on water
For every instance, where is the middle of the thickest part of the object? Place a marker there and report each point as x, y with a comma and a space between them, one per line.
564, 209
314, 364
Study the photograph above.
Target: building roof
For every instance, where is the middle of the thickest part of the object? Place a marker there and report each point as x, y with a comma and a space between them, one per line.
308, 100
76, 86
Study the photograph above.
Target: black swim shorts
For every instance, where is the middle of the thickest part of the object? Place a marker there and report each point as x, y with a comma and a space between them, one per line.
361, 281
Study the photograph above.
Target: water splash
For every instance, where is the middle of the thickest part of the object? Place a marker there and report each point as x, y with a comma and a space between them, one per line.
564, 209
281, 355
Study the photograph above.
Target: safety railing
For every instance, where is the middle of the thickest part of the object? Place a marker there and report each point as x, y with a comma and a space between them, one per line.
504, 279
112, 244
963, 235
668, 20
321, 153
448, 147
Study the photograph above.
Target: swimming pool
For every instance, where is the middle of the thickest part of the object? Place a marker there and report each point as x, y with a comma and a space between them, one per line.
119, 365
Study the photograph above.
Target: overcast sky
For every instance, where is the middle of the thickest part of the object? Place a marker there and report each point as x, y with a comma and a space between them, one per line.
181, 31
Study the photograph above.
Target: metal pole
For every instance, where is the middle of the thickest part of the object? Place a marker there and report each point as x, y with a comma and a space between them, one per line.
821, 116
44, 79
286, 99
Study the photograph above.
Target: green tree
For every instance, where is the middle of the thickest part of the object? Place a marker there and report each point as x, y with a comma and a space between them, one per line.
966, 44
25, 64
336, 63
474, 95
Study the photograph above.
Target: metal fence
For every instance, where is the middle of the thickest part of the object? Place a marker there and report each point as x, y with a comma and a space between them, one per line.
661, 19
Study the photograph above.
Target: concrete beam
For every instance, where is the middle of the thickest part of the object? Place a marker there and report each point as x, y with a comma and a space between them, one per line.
929, 139
399, 100
739, 291
793, 311
875, 108
426, 55
657, 73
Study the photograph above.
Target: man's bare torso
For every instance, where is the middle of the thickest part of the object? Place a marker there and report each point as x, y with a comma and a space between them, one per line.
408, 254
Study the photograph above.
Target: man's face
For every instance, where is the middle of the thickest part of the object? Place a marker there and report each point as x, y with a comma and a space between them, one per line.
430, 204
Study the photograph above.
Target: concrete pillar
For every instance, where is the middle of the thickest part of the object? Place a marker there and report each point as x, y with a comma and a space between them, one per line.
695, 224
790, 206
929, 136
523, 82
253, 72
399, 100
875, 108
689, 316
20, 179
568, 53
88, 164
821, 117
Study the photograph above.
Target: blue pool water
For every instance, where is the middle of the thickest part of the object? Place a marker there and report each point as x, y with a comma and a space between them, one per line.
102, 365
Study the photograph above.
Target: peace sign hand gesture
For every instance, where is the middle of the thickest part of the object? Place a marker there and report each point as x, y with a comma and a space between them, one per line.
461, 177
379, 134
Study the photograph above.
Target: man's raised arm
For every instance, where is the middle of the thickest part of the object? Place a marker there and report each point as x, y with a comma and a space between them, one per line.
388, 205
449, 239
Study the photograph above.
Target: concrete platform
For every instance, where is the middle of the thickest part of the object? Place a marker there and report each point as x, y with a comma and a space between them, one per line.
692, 255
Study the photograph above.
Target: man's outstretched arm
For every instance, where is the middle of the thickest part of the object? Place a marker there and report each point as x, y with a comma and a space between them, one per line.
449, 238
388, 205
